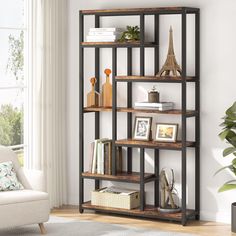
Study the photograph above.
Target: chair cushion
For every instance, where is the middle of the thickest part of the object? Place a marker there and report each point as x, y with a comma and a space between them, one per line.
21, 196
8, 179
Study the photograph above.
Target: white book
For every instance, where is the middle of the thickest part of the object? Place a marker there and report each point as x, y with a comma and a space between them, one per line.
94, 164
99, 158
102, 159
105, 29
154, 105
105, 37
106, 33
156, 108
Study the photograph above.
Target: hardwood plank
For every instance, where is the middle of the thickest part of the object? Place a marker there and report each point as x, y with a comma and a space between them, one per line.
177, 79
128, 10
153, 144
133, 177
149, 212
138, 110
204, 228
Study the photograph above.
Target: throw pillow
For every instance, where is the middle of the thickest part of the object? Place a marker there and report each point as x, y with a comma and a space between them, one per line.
8, 179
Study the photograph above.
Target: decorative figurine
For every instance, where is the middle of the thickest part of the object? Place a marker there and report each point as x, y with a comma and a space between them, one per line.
93, 97
153, 95
107, 90
168, 196
170, 64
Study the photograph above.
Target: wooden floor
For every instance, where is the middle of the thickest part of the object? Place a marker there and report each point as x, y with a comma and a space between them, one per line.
194, 227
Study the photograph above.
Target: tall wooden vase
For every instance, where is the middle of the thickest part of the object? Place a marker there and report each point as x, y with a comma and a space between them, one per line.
107, 90
93, 97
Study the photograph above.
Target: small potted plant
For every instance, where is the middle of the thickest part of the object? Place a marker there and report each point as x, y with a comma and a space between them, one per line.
228, 134
131, 34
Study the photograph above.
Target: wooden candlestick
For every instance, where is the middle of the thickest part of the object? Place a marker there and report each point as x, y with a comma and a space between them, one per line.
93, 96
107, 90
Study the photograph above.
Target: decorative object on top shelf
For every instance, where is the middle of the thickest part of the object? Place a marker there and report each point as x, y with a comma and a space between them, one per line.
131, 34
104, 34
142, 128
170, 65
169, 197
166, 132
93, 97
153, 95
159, 106
107, 90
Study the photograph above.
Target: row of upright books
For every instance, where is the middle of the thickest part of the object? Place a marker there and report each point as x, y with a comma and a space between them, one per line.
104, 34
101, 157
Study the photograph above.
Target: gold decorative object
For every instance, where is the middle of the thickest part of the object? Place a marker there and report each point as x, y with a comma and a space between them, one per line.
93, 97
170, 64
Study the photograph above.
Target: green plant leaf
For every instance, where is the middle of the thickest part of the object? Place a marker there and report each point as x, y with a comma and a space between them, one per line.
228, 151
227, 187
223, 134
225, 167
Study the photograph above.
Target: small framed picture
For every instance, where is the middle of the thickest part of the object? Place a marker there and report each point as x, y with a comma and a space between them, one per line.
142, 128
166, 132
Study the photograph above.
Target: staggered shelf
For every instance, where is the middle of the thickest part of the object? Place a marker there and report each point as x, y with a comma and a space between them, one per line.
129, 176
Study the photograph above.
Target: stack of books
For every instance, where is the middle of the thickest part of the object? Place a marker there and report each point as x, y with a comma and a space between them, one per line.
101, 157
104, 34
160, 106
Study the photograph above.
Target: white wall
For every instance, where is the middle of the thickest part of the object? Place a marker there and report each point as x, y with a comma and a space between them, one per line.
218, 49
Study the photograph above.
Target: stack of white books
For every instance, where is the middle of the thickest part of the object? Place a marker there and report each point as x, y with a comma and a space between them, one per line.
160, 106
104, 34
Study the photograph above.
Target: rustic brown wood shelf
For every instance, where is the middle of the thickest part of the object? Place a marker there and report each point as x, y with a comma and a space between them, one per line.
133, 177
149, 212
118, 44
126, 11
154, 79
139, 110
153, 144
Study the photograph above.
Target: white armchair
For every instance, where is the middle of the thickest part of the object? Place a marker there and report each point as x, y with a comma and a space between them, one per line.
23, 207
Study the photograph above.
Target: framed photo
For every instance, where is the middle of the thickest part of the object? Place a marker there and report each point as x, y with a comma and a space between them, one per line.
166, 132
142, 128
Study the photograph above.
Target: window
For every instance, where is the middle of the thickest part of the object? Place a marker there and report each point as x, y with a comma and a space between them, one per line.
13, 76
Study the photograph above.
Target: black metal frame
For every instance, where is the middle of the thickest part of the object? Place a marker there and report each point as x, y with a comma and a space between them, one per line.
183, 12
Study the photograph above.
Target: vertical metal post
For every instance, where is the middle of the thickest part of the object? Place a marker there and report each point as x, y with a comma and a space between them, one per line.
157, 42
81, 115
114, 109
129, 105
183, 117
156, 151
142, 170
97, 88
142, 41
156, 183
197, 119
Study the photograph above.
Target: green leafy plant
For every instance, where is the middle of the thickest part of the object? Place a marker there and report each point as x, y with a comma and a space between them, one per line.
228, 134
131, 34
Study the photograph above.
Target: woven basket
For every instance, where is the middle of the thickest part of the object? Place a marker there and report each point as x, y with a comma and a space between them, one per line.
115, 200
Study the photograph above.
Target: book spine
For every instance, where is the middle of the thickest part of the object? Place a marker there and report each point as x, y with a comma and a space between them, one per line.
106, 158
102, 159
105, 30
91, 157
154, 105
95, 157
99, 158
119, 159
105, 33
110, 158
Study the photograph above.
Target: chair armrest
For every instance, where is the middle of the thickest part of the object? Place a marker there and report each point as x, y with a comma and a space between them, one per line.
36, 179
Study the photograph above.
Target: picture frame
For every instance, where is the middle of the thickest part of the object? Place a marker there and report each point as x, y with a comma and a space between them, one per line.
142, 128
166, 132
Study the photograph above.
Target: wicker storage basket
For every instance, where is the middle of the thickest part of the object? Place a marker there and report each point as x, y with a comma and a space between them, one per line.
115, 200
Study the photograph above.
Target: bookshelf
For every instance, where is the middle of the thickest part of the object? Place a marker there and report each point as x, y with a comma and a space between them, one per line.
141, 178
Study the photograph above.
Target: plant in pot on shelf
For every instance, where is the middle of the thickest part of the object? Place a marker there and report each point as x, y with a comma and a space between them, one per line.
228, 134
131, 34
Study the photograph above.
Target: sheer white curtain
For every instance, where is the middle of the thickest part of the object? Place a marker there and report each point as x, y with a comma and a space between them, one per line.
47, 79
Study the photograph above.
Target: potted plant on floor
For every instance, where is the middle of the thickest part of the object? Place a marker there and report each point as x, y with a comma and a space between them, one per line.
228, 134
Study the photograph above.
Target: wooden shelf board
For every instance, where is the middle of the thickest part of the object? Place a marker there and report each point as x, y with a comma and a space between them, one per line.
149, 212
153, 144
133, 177
139, 110
162, 79
141, 10
118, 44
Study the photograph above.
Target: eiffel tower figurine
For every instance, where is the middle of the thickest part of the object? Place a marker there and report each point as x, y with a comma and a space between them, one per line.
170, 64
